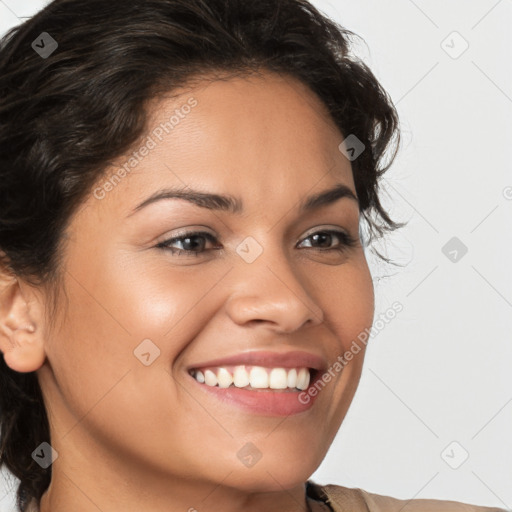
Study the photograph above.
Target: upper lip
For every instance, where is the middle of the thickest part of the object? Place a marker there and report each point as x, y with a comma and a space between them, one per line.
290, 359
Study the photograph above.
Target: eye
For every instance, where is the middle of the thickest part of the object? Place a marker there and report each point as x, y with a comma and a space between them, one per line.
192, 243
325, 237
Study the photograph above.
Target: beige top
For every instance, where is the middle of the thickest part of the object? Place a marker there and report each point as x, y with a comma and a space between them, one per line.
334, 498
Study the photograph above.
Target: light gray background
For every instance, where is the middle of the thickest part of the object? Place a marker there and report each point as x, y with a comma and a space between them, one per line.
440, 371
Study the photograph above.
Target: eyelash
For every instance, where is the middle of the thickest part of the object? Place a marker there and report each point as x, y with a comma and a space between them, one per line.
347, 241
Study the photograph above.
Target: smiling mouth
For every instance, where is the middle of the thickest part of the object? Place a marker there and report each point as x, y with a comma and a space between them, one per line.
255, 378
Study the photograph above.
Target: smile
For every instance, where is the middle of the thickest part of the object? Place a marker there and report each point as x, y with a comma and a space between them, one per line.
253, 377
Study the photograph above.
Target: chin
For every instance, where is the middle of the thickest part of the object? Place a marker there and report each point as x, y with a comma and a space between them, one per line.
272, 475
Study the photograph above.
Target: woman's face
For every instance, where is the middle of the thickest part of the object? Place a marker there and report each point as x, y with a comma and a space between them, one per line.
265, 279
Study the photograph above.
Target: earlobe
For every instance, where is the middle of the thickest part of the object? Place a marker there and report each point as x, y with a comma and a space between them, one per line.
24, 353
20, 338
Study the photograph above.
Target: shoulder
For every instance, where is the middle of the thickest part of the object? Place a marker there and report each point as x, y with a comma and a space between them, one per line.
341, 499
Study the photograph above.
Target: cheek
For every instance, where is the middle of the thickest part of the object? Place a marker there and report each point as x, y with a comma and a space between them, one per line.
154, 299
102, 386
350, 309
155, 310
349, 302
112, 307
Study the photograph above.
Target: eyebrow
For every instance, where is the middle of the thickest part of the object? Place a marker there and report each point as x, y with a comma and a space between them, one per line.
233, 204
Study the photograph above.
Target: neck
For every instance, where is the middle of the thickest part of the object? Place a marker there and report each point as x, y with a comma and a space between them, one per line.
95, 482
73, 492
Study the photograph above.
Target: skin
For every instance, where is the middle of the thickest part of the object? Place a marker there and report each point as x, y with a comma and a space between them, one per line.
132, 437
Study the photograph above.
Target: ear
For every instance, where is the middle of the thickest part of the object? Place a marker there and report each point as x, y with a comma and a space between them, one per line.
21, 324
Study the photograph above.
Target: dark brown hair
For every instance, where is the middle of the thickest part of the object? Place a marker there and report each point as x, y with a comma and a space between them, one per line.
65, 117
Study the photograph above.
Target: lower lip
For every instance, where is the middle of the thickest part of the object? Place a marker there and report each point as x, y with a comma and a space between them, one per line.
268, 402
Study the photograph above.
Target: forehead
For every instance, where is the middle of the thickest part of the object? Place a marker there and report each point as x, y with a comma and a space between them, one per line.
257, 136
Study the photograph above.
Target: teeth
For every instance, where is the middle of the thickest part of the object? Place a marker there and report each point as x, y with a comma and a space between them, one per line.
210, 379
256, 377
240, 377
291, 381
224, 377
277, 379
303, 378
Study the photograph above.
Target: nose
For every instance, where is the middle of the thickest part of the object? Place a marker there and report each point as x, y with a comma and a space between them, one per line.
270, 291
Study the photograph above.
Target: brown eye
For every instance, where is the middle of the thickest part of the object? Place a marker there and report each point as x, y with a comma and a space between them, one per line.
192, 243
323, 240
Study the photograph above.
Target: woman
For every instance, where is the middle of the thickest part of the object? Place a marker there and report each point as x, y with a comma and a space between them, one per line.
142, 371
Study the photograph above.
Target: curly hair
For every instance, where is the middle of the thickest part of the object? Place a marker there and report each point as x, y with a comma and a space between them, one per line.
65, 117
